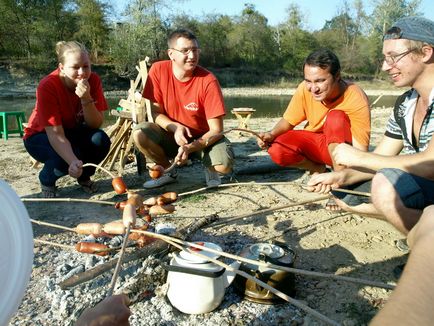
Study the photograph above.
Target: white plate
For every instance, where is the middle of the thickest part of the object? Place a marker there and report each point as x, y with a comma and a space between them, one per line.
16, 251
198, 260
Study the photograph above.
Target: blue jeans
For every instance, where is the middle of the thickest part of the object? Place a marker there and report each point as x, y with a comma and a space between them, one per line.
89, 145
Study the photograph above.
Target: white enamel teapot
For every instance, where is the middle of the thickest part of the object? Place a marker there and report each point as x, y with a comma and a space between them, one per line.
196, 285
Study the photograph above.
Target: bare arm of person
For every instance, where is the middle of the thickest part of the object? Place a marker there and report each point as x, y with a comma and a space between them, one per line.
266, 138
210, 137
420, 164
346, 155
181, 133
92, 116
349, 156
359, 146
62, 146
324, 182
411, 301
112, 311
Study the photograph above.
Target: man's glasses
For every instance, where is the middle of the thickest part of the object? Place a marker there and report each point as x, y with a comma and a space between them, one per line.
393, 59
187, 51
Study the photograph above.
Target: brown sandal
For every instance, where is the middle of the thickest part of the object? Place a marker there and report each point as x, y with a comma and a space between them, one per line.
88, 186
48, 191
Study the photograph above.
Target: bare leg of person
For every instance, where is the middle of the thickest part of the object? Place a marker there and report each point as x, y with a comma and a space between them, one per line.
388, 203
150, 149
336, 167
310, 166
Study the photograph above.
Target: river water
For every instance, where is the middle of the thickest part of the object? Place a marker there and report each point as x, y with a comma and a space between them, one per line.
265, 106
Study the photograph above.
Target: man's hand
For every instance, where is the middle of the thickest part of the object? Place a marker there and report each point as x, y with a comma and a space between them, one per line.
347, 155
181, 135
112, 311
324, 182
265, 139
182, 155
83, 90
75, 168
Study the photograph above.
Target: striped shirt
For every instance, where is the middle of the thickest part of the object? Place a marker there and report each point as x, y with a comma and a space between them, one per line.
400, 124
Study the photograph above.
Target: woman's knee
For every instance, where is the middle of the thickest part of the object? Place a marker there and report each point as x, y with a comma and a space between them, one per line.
101, 140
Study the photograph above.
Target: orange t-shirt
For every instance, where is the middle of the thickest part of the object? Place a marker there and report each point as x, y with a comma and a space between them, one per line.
191, 103
353, 102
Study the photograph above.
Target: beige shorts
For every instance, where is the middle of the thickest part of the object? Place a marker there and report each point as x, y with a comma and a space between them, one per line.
219, 153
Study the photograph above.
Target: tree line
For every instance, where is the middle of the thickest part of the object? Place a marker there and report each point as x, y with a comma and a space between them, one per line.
243, 48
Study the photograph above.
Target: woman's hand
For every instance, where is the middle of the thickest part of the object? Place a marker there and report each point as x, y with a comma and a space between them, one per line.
75, 169
83, 90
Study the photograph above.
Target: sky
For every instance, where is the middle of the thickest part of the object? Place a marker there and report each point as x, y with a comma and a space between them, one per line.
316, 11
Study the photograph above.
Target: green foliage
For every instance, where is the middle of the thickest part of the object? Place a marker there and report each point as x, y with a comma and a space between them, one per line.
193, 199
92, 25
241, 50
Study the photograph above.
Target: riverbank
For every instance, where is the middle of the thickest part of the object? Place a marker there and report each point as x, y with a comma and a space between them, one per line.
29, 92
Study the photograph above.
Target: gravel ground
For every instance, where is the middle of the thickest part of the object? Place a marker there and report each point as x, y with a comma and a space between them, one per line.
339, 243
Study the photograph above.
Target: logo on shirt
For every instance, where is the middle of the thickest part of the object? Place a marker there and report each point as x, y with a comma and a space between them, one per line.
192, 107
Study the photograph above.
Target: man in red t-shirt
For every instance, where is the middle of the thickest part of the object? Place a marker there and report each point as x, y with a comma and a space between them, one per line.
188, 111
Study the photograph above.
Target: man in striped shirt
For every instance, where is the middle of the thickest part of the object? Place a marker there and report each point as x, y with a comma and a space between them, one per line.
401, 185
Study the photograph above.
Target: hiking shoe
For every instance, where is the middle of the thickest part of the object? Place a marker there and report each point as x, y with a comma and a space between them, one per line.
212, 178
163, 180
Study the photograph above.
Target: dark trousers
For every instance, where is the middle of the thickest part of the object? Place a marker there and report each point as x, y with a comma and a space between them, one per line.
89, 145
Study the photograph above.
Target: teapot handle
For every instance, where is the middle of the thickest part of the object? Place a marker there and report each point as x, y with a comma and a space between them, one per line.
194, 271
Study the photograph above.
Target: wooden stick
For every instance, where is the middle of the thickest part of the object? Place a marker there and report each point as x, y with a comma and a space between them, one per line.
267, 210
69, 200
265, 264
347, 191
251, 183
353, 192
69, 247
173, 165
262, 284
55, 244
156, 248
119, 262
101, 168
56, 226
289, 269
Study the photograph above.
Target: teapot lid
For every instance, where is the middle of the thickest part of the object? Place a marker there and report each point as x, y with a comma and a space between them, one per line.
266, 249
199, 260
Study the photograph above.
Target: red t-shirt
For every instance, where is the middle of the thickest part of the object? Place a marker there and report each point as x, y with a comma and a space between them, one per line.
190, 103
56, 105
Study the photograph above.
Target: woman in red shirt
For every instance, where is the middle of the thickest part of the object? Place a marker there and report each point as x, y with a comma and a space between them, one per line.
63, 130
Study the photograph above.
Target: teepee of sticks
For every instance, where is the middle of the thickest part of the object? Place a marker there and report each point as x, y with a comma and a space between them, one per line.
130, 112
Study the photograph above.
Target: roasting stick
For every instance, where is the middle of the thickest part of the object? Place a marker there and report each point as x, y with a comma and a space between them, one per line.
175, 163
56, 226
119, 262
69, 247
70, 200
235, 257
271, 209
347, 191
100, 168
265, 264
262, 284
